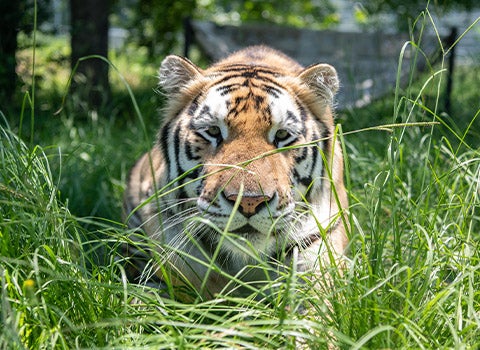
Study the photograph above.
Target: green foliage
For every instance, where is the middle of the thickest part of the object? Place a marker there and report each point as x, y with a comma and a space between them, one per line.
17, 16
157, 25
405, 11
312, 14
416, 249
79, 135
29, 9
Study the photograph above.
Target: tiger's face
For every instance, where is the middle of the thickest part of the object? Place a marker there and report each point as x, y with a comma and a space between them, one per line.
236, 135
259, 141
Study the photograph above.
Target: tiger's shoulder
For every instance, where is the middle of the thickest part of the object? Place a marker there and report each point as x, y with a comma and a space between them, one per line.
142, 182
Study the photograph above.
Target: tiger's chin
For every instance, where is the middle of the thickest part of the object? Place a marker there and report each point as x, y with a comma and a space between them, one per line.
244, 245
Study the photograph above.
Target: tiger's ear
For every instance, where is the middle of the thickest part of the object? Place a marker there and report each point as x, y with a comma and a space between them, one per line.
176, 72
322, 79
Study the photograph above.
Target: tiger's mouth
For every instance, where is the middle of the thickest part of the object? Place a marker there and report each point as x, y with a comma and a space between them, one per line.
241, 247
246, 230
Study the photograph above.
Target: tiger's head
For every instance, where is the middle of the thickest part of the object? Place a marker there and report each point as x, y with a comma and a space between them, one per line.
250, 145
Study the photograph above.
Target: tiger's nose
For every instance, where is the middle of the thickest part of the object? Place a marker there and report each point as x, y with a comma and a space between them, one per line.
250, 204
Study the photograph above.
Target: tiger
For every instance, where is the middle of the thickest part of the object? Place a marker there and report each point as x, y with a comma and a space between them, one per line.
246, 173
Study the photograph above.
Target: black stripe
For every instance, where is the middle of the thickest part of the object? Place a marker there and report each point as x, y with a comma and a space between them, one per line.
189, 152
326, 146
239, 68
315, 155
164, 142
240, 104
193, 174
303, 112
251, 78
206, 111
198, 134
181, 194
226, 89
303, 152
176, 145
194, 105
273, 91
305, 180
293, 116
258, 100
249, 73
225, 79
290, 143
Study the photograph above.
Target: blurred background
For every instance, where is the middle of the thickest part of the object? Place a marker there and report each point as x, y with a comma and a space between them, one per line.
139, 33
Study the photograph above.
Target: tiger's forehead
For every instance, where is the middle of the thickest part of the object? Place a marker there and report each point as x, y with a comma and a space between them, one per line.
249, 97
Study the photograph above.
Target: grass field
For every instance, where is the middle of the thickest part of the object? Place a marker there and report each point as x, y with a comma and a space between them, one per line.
413, 278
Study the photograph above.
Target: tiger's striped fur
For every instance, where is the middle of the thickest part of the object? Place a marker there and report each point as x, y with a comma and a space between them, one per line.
246, 168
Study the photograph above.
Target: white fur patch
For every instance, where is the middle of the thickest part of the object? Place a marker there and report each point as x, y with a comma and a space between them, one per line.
280, 109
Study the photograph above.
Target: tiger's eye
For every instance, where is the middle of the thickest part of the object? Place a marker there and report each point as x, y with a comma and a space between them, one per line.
214, 131
281, 135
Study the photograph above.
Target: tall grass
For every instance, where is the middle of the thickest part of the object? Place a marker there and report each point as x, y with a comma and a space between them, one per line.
412, 280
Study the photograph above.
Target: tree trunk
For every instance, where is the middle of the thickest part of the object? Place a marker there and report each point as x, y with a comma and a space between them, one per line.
9, 26
89, 36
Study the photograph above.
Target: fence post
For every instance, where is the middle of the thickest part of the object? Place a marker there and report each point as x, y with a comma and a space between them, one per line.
188, 36
451, 65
